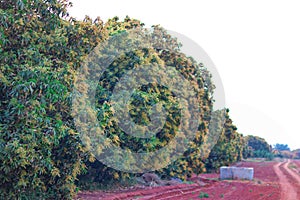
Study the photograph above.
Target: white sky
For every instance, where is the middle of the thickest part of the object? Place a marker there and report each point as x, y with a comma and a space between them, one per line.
255, 46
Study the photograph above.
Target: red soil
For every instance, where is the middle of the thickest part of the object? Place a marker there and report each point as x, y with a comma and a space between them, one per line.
291, 187
297, 162
270, 182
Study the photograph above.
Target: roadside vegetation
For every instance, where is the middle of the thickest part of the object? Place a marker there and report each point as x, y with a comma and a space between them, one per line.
41, 153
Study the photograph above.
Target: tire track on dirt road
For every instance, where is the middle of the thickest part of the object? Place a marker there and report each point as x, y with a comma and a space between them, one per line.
156, 193
292, 172
288, 191
173, 194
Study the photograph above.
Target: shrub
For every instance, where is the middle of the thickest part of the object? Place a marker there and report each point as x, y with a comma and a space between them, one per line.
257, 147
263, 154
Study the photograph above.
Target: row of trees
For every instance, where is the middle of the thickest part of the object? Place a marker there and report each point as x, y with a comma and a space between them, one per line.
41, 153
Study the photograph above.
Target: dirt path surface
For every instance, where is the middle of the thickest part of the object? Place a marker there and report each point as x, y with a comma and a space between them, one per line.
294, 173
265, 186
288, 179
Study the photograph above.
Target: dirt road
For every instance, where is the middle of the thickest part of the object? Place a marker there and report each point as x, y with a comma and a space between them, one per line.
289, 181
264, 187
272, 181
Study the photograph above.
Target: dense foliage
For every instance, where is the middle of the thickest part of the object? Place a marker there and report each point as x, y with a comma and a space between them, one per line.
228, 149
258, 143
41, 152
257, 147
40, 49
167, 53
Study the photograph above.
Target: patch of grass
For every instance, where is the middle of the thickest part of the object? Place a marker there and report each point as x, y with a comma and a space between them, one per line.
292, 166
203, 195
188, 182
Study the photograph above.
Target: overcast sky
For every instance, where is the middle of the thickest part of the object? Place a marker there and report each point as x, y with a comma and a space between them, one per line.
255, 46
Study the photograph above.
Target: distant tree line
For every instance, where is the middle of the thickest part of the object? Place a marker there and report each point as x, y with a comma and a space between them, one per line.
281, 147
